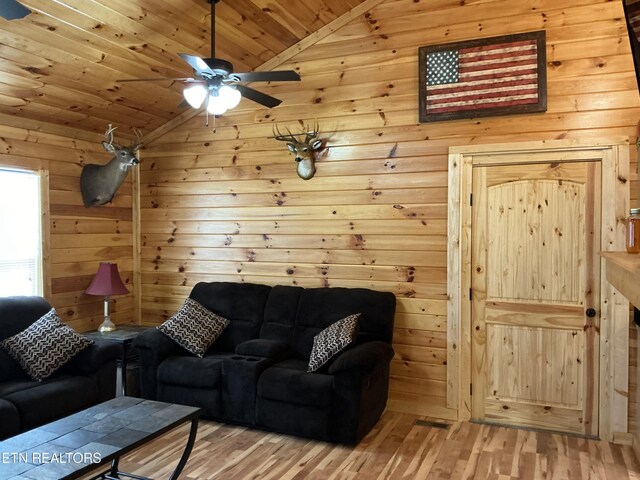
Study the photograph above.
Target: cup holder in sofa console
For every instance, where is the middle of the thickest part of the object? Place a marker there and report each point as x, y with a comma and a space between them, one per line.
242, 357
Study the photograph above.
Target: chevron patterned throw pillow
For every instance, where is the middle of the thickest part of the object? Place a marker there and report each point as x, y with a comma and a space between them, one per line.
332, 340
45, 346
194, 327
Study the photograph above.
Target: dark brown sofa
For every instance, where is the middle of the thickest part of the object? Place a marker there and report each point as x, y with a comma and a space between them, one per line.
88, 379
255, 374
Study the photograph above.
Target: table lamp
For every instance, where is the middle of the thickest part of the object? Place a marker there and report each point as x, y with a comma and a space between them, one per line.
107, 282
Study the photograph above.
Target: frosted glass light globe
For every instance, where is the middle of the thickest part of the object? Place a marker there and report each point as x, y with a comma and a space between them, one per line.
216, 105
230, 96
195, 95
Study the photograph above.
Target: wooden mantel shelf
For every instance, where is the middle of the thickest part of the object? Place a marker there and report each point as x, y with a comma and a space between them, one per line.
623, 272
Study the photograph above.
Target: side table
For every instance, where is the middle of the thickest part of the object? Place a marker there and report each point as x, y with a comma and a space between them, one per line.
124, 336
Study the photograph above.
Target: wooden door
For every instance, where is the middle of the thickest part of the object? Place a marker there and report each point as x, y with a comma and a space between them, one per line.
535, 275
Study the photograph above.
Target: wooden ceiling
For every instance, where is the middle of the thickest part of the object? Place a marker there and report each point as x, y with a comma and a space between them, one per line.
60, 63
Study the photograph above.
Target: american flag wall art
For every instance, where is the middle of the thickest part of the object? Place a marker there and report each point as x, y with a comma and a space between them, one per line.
493, 76
632, 13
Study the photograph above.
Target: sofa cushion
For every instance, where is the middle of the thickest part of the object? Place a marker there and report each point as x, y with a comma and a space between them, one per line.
194, 327
320, 307
17, 313
9, 368
289, 382
11, 386
57, 398
333, 340
280, 313
261, 347
191, 371
241, 303
45, 346
9, 420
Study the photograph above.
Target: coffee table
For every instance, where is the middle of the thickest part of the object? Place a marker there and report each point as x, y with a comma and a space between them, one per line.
78, 444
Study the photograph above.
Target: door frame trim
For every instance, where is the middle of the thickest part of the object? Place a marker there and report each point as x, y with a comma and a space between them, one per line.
614, 320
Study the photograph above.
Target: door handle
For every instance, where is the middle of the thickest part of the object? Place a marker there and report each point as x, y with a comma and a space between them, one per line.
591, 312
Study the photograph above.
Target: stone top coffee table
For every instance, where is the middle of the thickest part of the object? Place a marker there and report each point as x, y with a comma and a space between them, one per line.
75, 445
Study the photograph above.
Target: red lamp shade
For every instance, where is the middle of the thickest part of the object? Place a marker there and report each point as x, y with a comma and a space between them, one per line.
107, 281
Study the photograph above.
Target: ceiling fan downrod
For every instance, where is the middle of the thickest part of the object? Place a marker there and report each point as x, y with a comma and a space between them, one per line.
219, 66
213, 26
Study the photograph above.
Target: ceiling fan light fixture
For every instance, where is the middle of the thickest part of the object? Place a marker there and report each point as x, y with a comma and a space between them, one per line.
209, 85
216, 104
195, 95
230, 96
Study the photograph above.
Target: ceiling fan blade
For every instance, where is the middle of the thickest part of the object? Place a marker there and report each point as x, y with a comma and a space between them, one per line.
198, 64
12, 10
276, 76
258, 97
187, 79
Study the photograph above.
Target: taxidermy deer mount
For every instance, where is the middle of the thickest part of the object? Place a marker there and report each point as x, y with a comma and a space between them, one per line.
99, 183
303, 150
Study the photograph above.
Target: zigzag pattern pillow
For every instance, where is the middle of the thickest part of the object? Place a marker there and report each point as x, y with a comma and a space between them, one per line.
45, 346
332, 340
194, 327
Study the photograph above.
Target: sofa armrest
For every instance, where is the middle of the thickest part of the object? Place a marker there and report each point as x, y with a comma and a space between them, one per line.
153, 347
363, 357
157, 342
93, 358
260, 347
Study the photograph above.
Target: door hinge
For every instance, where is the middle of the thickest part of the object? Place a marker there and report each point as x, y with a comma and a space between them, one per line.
471, 199
471, 389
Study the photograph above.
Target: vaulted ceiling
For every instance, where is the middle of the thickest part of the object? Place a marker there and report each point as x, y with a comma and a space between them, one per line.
60, 63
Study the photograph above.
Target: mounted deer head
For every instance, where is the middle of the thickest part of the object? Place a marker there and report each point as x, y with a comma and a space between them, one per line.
99, 183
303, 150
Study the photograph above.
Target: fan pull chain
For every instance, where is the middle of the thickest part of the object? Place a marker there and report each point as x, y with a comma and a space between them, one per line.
206, 124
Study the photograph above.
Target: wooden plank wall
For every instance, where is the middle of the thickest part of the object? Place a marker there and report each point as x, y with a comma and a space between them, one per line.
633, 335
228, 205
80, 238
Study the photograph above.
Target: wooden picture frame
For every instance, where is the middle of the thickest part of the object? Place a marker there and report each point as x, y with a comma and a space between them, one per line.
632, 16
457, 80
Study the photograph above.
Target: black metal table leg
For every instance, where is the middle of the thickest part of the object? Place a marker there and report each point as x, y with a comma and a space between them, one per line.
113, 473
187, 450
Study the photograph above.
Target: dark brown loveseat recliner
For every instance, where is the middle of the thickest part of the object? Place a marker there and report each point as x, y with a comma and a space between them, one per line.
255, 374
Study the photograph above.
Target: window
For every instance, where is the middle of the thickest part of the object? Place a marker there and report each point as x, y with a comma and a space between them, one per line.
20, 233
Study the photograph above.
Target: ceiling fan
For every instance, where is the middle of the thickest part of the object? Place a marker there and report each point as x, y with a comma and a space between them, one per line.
216, 85
12, 10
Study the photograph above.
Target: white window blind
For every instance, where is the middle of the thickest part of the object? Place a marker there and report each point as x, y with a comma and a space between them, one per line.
20, 233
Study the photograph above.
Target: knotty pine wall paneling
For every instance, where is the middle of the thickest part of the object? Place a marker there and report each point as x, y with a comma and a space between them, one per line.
79, 238
227, 204
634, 407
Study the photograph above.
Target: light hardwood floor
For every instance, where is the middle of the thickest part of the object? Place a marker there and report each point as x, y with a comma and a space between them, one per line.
396, 449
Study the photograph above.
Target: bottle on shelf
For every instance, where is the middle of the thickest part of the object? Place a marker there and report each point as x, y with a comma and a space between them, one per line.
633, 231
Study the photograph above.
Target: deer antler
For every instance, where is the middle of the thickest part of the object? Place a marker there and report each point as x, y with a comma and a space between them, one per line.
311, 134
108, 135
283, 138
138, 141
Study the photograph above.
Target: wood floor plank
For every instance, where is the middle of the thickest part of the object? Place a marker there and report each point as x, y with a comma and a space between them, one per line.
396, 449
